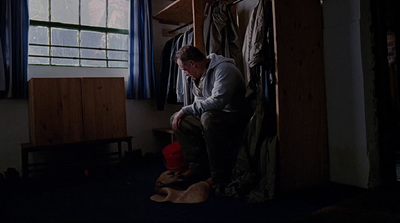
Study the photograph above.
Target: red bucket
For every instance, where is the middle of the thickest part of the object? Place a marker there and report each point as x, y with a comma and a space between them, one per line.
173, 156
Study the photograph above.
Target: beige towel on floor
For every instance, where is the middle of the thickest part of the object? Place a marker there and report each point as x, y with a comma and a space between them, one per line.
196, 193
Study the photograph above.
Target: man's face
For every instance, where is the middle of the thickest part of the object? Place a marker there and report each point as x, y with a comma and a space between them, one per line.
189, 69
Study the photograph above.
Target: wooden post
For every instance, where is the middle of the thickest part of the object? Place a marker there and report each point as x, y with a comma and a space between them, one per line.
301, 103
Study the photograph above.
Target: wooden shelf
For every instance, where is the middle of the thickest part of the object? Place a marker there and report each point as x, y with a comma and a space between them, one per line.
178, 12
183, 12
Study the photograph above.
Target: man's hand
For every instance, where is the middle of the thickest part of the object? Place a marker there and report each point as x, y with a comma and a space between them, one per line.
177, 120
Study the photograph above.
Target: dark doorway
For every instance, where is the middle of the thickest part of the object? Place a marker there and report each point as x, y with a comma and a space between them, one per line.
385, 28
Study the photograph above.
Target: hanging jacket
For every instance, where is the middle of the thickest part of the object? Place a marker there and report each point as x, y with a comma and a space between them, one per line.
164, 84
221, 33
183, 85
253, 54
172, 97
254, 174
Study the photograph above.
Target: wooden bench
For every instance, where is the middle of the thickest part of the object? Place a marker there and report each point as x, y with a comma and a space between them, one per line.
27, 148
166, 130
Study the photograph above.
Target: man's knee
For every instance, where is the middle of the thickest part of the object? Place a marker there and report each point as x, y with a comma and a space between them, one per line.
171, 119
210, 118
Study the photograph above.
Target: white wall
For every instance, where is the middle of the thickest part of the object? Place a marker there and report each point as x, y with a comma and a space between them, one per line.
346, 115
13, 132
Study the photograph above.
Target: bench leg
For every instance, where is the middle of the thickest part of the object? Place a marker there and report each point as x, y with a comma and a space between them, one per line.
129, 146
25, 160
119, 150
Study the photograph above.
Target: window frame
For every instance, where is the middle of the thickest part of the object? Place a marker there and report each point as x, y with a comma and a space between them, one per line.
78, 27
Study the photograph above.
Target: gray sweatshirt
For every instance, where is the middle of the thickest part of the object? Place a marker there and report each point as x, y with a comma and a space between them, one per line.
224, 88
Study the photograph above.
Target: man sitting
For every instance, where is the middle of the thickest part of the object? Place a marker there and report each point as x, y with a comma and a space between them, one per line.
210, 129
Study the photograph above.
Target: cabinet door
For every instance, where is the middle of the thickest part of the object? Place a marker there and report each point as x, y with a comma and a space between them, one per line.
55, 110
104, 114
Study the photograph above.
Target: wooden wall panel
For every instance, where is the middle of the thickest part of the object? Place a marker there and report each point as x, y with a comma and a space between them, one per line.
55, 110
104, 108
302, 126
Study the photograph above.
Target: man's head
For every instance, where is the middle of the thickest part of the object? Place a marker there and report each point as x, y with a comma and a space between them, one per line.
191, 61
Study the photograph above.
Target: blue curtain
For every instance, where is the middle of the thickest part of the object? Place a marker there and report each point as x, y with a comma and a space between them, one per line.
14, 27
141, 64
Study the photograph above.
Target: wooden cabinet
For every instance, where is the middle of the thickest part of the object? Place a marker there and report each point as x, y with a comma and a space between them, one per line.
66, 110
103, 108
55, 110
300, 87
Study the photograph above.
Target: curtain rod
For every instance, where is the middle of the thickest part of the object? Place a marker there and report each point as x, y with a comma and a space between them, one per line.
180, 27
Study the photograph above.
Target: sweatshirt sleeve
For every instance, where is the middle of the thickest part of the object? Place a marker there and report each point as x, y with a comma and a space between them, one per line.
218, 92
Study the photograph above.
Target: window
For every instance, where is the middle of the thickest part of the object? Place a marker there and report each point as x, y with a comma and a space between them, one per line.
82, 33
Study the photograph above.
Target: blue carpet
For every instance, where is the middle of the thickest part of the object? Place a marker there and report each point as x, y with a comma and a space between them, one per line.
122, 193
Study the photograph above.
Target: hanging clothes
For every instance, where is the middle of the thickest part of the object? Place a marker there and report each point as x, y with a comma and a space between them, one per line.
167, 66
254, 174
183, 83
221, 33
258, 59
172, 85
252, 49
172, 97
